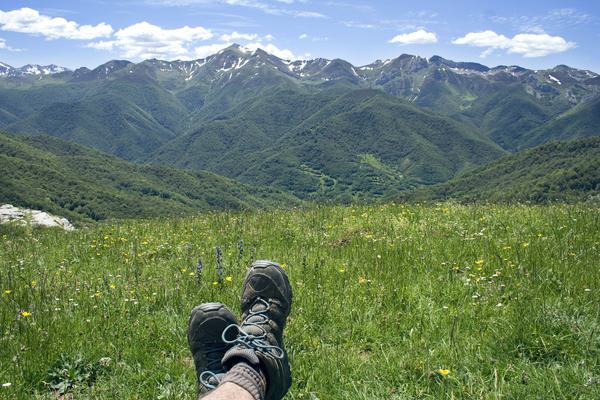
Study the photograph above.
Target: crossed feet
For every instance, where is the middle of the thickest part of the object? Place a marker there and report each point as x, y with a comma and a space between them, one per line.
249, 354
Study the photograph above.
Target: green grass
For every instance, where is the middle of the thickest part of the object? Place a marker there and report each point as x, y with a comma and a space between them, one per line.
505, 298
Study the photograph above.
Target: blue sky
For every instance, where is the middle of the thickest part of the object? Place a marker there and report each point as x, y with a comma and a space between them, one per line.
532, 34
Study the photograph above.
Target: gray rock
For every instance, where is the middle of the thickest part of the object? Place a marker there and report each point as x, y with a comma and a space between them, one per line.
24, 216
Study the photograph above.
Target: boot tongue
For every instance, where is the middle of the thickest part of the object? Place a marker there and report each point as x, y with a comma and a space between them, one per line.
250, 324
259, 306
253, 329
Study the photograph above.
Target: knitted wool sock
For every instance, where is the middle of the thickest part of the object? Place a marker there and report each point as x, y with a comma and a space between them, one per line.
251, 379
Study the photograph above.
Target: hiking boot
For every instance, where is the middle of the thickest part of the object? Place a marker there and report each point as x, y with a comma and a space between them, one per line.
205, 337
266, 304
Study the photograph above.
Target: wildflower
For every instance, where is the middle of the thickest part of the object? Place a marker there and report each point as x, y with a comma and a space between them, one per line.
33, 284
362, 280
443, 372
220, 268
479, 262
215, 283
7, 292
587, 290
192, 274
342, 270
379, 256
25, 314
229, 279
525, 245
6, 385
112, 286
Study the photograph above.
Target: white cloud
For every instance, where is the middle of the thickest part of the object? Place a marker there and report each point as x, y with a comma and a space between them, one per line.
233, 36
354, 24
209, 49
272, 49
313, 38
28, 20
260, 5
418, 37
526, 44
144, 40
5, 46
553, 19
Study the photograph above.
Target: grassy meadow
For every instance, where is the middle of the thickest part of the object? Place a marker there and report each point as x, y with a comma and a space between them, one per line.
391, 302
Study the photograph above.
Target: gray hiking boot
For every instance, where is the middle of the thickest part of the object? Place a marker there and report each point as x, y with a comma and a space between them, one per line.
205, 337
266, 304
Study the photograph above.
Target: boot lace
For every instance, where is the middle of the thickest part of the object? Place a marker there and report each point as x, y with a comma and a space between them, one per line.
208, 378
250, 341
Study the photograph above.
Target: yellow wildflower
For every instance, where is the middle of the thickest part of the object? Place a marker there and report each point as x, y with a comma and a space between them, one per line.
362, 280
33, 284
25, 314
342, 270
443, 372
229, 279
7, 291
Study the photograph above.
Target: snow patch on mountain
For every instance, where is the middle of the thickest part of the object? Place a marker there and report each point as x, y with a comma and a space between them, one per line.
554, 79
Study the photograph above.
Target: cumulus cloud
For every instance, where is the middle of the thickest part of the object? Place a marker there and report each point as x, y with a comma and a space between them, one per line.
209, 49
144, 40
272, 49
28, 20
525, 44
418, 37
233, 36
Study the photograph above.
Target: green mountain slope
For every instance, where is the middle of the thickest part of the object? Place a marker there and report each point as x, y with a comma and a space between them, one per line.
564, 171
507, 116
358, 144
582, 121
47, 173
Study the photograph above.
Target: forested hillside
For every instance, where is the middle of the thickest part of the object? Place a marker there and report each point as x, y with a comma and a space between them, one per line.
82, 184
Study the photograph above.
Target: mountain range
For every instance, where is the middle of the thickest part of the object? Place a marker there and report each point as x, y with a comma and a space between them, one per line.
318, 129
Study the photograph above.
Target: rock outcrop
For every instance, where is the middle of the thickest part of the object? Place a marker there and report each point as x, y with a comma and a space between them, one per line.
23, 216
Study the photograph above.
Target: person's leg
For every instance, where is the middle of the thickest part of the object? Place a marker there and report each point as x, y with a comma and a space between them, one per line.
228, 391
258, 360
